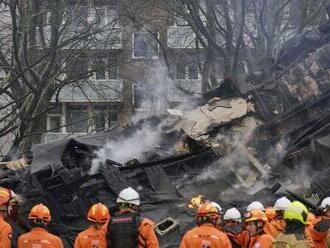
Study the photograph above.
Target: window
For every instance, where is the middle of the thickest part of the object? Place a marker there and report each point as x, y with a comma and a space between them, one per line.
180, 71
79, 17
101, 17
77, 118
193, 71
143, 96
145, 45
55, 124
100, 69
113, 71
105, 116
187, 71
180, 21
112, 118
77, 67
54, 119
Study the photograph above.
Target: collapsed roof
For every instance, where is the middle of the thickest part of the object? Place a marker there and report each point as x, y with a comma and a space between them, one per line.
223, 150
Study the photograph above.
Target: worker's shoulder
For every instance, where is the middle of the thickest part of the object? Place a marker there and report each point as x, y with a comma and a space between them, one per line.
147, 222
4, 225
266, 237
207, 230
52, 237
83, 233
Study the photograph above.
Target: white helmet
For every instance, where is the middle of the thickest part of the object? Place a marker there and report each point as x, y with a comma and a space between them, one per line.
282, 203
325, 203
233, 214
256, 205
217, 206
130, 196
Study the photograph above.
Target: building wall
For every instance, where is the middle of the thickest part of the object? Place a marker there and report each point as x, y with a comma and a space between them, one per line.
138, 75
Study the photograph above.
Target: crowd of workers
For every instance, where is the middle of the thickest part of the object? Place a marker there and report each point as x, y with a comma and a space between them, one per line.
285, 225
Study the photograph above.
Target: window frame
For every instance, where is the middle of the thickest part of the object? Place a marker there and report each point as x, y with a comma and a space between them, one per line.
133, 46
49, 116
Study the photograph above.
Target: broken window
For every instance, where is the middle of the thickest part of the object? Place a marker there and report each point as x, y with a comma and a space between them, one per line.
113, 69
145, 45
77, 118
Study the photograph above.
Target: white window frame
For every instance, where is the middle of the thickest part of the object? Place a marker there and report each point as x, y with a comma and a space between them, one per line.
144, 57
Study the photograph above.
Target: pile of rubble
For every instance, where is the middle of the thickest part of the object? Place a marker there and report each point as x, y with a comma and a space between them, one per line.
231, 150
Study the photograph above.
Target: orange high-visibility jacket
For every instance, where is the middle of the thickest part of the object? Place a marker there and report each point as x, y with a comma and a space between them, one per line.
39, 237
147, 237
319, 239
259, 241
205, 235
92, 237
5, 233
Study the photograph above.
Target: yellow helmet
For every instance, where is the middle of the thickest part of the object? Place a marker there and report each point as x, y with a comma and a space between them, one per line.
296, 211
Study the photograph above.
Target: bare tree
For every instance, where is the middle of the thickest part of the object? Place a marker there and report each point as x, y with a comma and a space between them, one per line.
245, 32
40, 40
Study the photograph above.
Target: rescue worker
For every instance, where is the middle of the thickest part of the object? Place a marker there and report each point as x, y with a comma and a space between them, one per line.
219, 226
295, 217
232, 221
268, 227
5, 228
206, 234
255, 221
39, 219
95, 236
318, 231
126, 229
277, 221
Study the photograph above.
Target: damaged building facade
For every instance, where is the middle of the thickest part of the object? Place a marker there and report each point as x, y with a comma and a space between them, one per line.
275, 132
124, 79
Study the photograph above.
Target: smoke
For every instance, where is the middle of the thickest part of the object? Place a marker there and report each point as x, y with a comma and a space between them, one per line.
134, 146
148, 137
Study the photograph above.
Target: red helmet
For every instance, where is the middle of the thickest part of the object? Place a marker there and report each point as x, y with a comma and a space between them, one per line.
5, 195
40, 212
98, 213
208, 211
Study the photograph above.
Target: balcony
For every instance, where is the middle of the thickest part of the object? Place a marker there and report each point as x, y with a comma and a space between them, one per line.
93, 91
50, 137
